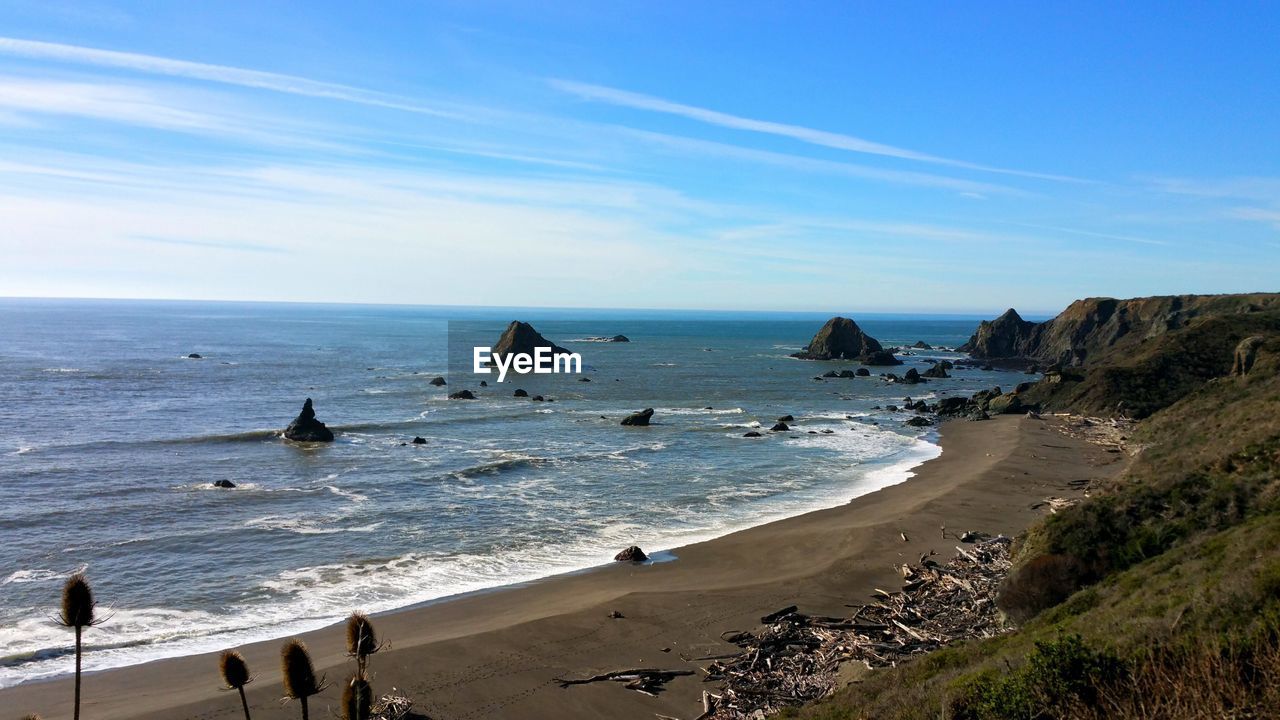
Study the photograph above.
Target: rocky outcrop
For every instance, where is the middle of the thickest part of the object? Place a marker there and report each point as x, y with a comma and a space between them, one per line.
1246, 354
841, 339
938, 371
638, 418
779, 427
462, 395
862, 372
227, 484
306, 428
437, 381
631, 554
521, 338
918, 421
1097, 329
1008, 336
419, 440
922, 345
520, 393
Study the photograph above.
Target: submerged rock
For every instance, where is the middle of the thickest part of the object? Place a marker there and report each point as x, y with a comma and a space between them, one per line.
306, 428
786, 419
752, 433
462, 395
631, 554
195, 356
779, 427
419, 440
223, 484
862, 372
638, 418
437, 381
519, 393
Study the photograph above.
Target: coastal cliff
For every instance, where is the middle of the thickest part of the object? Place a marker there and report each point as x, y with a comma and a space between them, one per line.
1154, 595
1094, 329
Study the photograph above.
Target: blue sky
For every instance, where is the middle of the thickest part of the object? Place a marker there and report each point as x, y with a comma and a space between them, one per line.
747, 155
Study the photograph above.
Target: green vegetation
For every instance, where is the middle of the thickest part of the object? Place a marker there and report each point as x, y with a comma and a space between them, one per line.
1160, 596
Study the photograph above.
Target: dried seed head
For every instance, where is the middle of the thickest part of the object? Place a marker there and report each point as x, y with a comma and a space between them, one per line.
357, 700
77, 602
235, 673
361, 640
299, 676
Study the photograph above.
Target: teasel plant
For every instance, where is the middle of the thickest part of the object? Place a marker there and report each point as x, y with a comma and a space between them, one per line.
300, 680
78, 613
357, 699
362, 642
235, 673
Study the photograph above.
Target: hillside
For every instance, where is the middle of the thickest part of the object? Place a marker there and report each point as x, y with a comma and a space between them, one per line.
1158, 597
1096, 330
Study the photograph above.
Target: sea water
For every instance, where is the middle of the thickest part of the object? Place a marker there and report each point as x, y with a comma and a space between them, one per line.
111, 438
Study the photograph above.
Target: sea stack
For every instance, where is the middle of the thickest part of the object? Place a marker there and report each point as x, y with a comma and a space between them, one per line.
638, 418
520, 337
842, 339
306, 428
1008, 336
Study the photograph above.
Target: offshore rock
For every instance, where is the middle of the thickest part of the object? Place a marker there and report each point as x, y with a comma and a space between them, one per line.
306, 428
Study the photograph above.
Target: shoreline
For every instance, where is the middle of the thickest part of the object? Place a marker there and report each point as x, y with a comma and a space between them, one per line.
875, 475
489, 652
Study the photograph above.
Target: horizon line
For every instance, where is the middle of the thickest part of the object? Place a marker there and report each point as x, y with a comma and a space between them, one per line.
959, 315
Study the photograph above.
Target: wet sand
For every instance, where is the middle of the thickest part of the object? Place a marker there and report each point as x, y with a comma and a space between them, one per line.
495, 654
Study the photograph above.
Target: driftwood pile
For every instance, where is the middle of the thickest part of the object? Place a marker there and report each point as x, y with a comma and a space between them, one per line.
794, 659
391, 707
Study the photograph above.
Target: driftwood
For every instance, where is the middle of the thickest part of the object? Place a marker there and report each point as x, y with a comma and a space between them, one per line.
794, 659
391, 707
643, 680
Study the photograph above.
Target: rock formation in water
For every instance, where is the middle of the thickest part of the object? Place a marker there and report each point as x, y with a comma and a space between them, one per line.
462, 395
437, 381
638, 418
841, 339
631, 554
521, 338
306, 428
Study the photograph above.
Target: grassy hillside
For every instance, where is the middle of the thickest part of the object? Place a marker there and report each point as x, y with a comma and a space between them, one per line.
1160, 596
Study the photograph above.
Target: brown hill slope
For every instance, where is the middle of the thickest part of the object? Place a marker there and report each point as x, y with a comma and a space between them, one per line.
1097, 329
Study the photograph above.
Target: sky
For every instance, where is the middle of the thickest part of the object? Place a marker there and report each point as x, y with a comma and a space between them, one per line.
908, 157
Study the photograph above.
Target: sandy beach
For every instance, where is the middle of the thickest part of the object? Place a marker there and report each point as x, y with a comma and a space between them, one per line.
495, 654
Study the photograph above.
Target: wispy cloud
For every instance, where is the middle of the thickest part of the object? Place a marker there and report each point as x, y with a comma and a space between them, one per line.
1254, 214
212, 244
1090, 233
807, 164
812, 136
225, 74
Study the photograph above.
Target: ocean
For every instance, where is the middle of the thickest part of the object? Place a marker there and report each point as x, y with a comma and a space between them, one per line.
111, 438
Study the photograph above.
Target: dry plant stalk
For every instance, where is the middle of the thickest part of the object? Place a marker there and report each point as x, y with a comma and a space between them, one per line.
235, 673
300, 680
78, 613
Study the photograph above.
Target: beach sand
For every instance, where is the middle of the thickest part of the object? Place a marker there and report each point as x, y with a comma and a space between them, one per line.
494, 654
